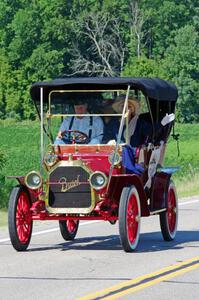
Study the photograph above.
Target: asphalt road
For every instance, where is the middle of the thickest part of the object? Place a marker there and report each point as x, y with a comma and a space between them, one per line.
94, 266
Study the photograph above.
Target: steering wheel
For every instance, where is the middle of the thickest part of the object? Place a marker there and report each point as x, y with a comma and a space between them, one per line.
74, 137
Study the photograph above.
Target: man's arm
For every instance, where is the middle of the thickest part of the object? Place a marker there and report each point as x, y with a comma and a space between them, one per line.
97, 131
64, 126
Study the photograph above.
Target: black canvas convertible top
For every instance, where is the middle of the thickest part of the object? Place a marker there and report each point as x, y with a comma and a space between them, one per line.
154, 88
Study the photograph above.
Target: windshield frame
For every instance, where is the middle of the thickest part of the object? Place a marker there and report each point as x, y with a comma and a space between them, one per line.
48, 116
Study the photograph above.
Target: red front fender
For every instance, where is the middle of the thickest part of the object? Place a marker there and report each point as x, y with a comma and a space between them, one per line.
118, 182
21, 180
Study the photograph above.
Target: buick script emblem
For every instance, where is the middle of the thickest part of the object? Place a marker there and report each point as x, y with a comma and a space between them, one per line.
67, 185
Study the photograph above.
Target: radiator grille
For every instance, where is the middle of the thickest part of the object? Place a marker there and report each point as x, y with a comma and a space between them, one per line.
69, 188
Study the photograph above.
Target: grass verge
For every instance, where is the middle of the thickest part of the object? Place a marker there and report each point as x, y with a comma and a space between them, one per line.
187, 186
3, 218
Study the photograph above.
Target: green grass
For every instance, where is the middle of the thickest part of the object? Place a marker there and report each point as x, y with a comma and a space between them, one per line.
21, 144
3, 218
188, 186
187, 178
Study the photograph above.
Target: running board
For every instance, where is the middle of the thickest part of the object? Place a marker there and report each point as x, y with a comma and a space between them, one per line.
155, 212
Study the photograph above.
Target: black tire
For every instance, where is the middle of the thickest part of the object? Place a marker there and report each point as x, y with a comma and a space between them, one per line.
19, 218
169, 218
129, 218
68, 229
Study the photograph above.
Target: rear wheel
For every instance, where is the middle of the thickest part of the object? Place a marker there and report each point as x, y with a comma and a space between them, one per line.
129, 218
68, 229
19, 218
169, 218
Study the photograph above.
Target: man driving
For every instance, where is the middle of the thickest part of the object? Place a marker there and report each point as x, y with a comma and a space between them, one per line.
85, 129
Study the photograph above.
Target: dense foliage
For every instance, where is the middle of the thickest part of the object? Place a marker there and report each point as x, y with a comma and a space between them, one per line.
41, 39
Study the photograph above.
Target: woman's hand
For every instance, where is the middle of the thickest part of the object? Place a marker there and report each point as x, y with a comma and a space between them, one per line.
59, 136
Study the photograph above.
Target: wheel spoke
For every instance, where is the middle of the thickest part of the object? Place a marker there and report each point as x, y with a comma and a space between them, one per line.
132, 218
71, 225
23, 220
171, 210
129, 218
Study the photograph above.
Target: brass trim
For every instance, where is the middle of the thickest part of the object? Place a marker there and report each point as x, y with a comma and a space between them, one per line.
41, 180
105, 182
83, 91
111, 156
94, 196
99, 147
49, 165
76, 149
84, 115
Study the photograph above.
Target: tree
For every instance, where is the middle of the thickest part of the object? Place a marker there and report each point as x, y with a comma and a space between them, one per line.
143, 67
136, 22
26, 26
5, 72
99, 48
41, 39
43, 64
181, 66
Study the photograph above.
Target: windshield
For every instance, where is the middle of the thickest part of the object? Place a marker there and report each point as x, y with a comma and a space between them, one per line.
96, 114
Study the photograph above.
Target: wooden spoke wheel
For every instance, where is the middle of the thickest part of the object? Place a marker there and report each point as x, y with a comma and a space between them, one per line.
68, 229
129, 218
169, 218
19, 218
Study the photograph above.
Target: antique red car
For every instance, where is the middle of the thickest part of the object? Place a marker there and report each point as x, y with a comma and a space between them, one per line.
117, 177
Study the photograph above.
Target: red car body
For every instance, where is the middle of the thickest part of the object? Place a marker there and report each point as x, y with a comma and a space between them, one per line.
68, 191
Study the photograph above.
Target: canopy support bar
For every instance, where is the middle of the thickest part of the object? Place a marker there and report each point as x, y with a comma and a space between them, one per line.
125, 108
42, 129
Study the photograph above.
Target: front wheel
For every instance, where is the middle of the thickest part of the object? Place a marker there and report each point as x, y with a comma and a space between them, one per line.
19, 218
129, 218
169, 218
68, 229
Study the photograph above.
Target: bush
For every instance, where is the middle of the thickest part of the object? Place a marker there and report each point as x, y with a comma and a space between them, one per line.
2, 159
13, 115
